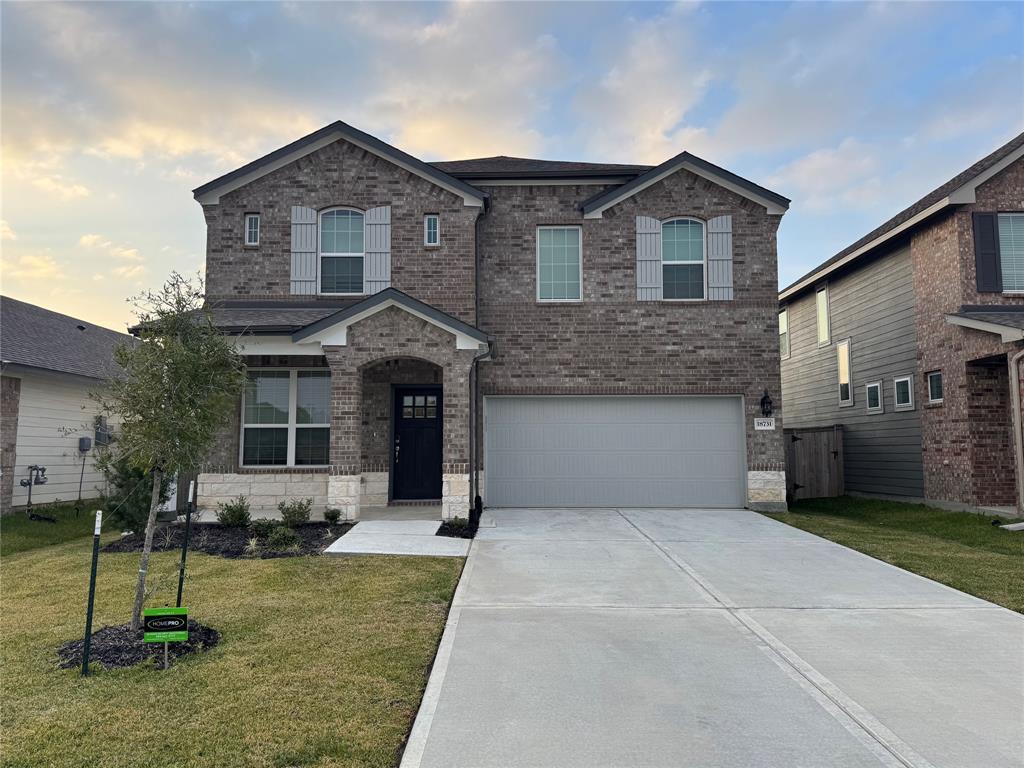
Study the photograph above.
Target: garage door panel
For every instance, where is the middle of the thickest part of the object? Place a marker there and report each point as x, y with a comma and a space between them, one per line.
614, 451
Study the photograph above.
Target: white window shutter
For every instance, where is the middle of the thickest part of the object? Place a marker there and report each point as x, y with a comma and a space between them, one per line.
304, 250
377, 261
720, 258
648, 259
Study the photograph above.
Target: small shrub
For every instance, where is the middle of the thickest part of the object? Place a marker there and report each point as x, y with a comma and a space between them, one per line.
262, 528
234, 513
295, 512
252, 547
282, 537
332, 516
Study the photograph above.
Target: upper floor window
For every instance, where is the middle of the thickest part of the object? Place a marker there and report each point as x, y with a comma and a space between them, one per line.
935, 387
683, 258
784, 333
873, 397
341, 251
824, 327
845, 376
1011, 250
431, 229
252, 229
559, 264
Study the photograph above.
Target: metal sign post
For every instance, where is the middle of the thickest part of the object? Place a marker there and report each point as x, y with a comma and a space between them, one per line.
92, 592
184, 544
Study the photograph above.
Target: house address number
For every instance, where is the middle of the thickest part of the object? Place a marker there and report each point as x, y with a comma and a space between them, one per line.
762, 424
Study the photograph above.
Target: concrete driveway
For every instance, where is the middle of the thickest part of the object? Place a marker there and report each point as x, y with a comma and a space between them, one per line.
710, 638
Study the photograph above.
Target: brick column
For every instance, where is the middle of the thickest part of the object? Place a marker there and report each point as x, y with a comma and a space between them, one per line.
455, 469
10, 400
346, 433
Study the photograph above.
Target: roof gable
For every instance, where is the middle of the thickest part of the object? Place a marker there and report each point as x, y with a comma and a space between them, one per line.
210, 193
774, 203
504, 167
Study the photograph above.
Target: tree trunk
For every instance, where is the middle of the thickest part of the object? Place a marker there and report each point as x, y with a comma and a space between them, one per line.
147, 547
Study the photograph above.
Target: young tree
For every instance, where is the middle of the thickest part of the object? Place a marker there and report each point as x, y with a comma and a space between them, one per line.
178, 388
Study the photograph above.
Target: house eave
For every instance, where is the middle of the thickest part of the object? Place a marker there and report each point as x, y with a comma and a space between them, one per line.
1007, 333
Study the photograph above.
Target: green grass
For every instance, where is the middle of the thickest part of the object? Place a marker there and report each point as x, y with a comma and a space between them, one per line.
19, 534
322, 661
960, 549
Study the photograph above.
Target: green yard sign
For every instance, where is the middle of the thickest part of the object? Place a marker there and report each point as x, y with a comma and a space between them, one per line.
165, 625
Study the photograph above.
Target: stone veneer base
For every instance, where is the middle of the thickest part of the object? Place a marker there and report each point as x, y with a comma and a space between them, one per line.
343, 492
454, 496
766, 491
263, 490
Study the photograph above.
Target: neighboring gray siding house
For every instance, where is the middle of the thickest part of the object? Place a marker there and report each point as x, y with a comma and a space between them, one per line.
910, 339
540, 333
50, 365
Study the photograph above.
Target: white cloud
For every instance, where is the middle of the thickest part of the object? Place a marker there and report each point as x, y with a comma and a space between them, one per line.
6, 233
33, 266
100, 243
833, 176
129, 270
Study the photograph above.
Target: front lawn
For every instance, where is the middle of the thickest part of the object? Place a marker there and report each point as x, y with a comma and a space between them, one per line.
960, 549
18, 533
322, 661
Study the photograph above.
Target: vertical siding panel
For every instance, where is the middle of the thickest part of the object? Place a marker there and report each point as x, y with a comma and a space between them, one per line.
648, 259
720, 258
377, 261
304, 272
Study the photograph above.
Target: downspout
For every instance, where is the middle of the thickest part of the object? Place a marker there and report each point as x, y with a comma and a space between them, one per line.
1018, 426
474, 380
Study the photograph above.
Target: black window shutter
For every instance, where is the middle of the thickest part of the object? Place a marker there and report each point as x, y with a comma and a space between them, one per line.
986, 252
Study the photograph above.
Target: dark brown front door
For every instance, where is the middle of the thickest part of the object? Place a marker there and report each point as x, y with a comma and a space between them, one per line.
416, 458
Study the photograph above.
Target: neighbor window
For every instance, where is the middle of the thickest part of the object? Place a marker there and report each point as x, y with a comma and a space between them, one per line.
341, 251
558, 263
784, 333
1011, 250
843, 361
824, 330
935, 387
431, 229
252, 229
903, 394
873, 397
286, 418
682, 257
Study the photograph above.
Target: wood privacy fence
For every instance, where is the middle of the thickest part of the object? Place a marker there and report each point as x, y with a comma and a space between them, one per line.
814, 462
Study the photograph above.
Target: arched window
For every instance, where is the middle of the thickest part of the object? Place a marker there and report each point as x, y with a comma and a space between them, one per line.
341, 251
683, 259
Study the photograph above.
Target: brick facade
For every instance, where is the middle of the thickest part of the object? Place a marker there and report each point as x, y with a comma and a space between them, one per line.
10, 398
967, 440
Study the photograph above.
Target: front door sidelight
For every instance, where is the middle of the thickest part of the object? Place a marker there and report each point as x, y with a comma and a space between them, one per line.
416, 453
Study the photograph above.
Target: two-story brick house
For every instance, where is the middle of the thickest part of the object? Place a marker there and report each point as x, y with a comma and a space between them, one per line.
545, 334
911, 338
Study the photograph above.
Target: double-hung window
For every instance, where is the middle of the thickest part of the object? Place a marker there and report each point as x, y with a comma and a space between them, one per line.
559, 264
784, 333
286, 418
341, 251
683, 259
824, 327
1011, 250
845, 376
252, 229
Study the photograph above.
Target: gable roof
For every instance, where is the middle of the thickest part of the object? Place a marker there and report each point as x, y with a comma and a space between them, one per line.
957, 191
772, 201
210, 192
1005, 320
504, 167
34, 337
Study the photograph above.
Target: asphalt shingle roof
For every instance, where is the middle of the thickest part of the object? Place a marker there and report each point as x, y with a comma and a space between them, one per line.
502, 165
273, 318
1010, 316
38, 338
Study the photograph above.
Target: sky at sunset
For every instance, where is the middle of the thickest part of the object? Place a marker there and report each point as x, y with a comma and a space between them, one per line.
113, 112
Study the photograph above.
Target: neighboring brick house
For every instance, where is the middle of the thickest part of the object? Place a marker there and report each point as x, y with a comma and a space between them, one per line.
51, 364
911, 338
540, 333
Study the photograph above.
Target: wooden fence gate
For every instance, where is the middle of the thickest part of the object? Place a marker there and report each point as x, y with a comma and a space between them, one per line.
814, 462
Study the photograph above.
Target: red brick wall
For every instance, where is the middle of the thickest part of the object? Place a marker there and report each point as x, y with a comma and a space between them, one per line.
10, 400
955, 453
989, 419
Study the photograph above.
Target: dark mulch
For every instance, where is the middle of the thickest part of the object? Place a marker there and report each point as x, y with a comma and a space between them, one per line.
457, 529
117, 647
217, 539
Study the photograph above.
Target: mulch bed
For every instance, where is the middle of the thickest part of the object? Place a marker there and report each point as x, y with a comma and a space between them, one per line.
118, 647
220, 540
457, 529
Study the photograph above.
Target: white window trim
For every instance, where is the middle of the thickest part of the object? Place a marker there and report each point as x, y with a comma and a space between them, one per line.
704, 262
248, 218
849, 367
579, 229
881, 398
897, 406
789, 335
426, 230
828, 316
292, 425
320, 254
928, 387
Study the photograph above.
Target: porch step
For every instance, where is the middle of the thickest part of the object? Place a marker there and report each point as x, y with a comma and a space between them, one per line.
398, 537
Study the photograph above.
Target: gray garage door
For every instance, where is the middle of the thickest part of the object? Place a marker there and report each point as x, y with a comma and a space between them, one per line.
614, 452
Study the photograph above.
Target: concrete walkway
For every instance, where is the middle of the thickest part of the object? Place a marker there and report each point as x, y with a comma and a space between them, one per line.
398, 537
717, 638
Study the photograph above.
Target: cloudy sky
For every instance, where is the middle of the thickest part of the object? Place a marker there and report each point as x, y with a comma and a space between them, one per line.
113, 112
